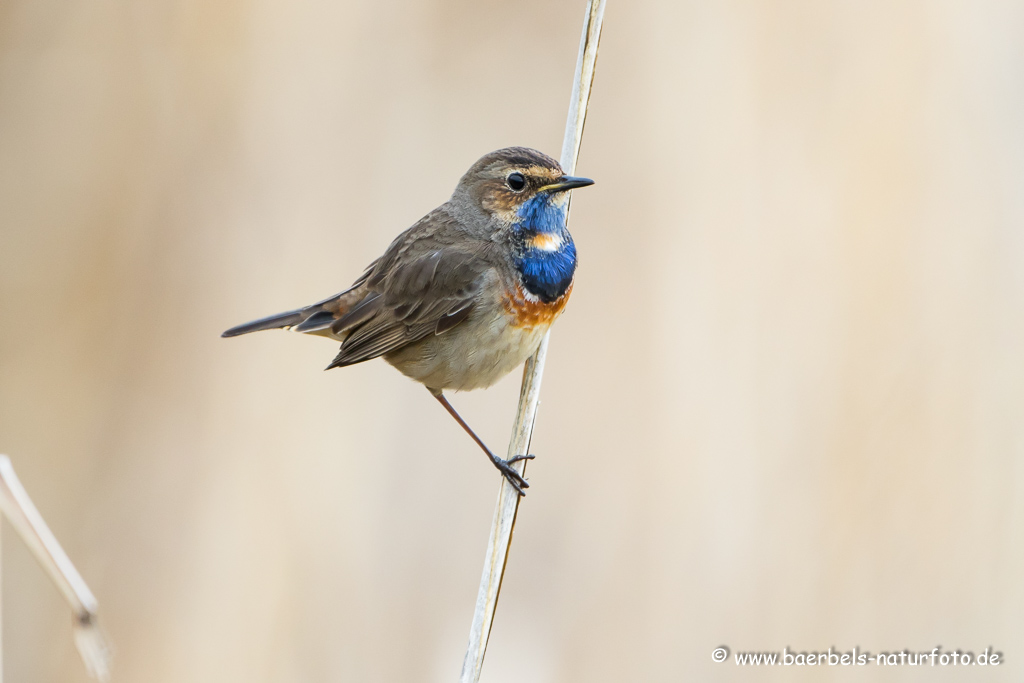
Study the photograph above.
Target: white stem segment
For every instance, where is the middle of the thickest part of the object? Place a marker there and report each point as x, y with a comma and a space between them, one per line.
581, 85
17, 507
529, 395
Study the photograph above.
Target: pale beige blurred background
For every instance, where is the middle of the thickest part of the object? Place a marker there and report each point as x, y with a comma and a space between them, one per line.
785, 407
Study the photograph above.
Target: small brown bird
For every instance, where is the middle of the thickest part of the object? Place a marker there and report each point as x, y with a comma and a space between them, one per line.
466, 294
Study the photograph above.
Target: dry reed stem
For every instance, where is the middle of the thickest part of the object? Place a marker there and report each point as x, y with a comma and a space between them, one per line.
529, 395
19, 510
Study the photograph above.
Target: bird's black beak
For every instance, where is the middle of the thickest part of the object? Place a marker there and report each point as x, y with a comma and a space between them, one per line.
566, 182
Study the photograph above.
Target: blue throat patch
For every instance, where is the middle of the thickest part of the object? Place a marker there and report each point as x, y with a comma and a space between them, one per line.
546, 274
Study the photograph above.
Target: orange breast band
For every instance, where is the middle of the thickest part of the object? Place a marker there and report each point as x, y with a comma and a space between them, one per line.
529, 313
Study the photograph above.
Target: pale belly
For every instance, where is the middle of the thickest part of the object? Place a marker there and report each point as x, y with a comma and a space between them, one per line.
473, 355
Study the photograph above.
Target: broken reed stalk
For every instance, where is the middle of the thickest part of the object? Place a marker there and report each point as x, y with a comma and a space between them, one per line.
19, 510
529, 394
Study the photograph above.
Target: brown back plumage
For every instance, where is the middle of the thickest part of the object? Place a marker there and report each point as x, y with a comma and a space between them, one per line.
425, 283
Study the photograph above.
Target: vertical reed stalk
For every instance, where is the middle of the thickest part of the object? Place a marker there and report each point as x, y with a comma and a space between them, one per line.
529, 395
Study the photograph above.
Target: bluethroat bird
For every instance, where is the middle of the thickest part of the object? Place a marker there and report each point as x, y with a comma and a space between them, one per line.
466, 294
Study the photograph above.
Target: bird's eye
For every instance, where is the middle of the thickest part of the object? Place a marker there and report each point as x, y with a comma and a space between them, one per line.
516, 182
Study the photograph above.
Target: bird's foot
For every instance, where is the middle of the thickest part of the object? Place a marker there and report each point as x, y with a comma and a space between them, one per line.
511, 474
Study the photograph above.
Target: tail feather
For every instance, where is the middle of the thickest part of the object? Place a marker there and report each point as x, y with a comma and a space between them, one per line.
317, 321
271, 322
313, 319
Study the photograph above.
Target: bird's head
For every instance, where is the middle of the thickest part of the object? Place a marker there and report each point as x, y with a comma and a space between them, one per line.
519, 188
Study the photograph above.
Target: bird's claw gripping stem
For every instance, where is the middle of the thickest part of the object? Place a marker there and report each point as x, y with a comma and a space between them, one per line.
511, 474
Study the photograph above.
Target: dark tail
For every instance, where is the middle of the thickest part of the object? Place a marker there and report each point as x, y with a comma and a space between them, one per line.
314, 319
272, 322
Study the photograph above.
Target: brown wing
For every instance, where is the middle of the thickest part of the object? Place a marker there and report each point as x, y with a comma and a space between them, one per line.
426, 283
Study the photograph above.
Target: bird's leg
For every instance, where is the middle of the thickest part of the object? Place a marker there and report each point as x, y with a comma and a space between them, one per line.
504, 466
